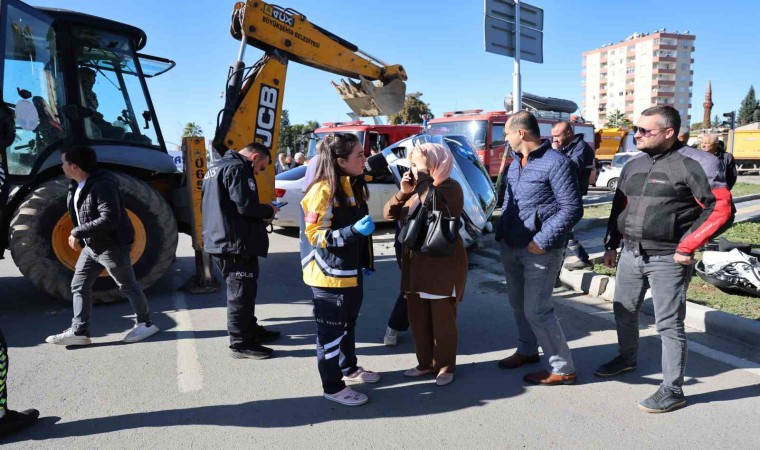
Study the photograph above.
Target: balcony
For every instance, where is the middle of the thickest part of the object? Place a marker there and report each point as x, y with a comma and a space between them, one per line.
664, 71
664, 59
663, 94
629, 98
663, 83
666, 47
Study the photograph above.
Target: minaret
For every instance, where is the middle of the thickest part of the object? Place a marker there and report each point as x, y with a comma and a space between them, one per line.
708, 104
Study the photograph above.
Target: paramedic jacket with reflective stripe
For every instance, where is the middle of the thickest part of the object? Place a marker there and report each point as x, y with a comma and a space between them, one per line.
338, 251
672, 202
233, 218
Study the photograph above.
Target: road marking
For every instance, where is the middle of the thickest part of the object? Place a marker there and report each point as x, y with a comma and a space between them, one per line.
603, 309
189, 375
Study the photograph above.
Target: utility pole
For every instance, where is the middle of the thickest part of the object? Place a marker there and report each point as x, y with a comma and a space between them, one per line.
516, 81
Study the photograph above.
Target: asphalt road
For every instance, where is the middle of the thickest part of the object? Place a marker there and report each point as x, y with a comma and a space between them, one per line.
180, 389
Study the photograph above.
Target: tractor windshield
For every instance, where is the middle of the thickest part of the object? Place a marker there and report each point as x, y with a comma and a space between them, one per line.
32, 89
111, 89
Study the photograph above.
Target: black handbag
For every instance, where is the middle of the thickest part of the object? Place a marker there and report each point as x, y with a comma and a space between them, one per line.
414, 228
430, 232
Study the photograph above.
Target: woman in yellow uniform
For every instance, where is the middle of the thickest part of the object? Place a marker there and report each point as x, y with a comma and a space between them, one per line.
338, 230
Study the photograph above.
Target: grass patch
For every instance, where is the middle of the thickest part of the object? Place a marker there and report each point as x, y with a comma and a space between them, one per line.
742, 189
747, 232
708, 295
602, 211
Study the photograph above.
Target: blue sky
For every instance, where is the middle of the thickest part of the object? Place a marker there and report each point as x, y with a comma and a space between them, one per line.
440, 43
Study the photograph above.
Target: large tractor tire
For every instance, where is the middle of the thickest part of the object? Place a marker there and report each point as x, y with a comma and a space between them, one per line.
41, 226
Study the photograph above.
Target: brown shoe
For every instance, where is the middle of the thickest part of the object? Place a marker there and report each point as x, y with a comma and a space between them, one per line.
518, 360
544, 378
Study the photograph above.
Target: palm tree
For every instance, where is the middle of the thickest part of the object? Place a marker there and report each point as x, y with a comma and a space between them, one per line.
192, 129
617, 119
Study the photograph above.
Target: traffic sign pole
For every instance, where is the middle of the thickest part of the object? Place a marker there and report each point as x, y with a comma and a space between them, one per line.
516, 81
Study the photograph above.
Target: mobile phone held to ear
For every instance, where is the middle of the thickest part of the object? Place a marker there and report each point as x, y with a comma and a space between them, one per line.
279, 204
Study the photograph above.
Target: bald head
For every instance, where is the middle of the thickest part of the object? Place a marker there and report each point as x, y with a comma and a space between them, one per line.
562, 135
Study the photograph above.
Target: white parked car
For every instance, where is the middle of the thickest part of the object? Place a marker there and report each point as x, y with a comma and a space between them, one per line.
289, 186
609, 175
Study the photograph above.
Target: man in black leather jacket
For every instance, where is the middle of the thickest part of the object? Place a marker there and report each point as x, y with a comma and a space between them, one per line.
234, 233
104, 233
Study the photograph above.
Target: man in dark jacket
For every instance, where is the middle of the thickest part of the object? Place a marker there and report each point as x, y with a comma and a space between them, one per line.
541, 205
711, 144
234, 233
581, 155
670, 201
104, 233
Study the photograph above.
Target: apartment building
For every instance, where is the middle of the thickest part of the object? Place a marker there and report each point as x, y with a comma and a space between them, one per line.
643, 70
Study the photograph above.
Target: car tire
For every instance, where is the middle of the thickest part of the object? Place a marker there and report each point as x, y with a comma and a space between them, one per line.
612, 184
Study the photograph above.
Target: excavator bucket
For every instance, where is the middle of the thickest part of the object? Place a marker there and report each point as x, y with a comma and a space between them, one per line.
369, 100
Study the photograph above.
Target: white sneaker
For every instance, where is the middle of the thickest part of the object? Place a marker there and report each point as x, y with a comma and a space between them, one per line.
362, 376
140, 332
348, 397
68, 338
391, 337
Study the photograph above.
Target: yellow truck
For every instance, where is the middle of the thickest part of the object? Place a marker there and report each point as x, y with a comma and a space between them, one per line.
746, 149
613, 140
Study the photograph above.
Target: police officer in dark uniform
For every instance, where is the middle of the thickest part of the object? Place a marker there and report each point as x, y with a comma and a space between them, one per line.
234, 233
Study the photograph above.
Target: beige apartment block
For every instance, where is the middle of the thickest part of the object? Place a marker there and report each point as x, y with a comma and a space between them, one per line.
644, 70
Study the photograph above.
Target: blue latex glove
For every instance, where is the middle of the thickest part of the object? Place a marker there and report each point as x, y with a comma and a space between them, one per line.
367, 272
365, 226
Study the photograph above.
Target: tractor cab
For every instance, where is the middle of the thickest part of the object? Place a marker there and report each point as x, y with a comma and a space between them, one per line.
71, 78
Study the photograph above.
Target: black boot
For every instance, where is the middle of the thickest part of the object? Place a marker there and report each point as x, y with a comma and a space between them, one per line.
14, 421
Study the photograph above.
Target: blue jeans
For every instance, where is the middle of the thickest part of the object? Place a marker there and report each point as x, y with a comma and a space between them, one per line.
669, 282
576, 249
530, 280
119, 267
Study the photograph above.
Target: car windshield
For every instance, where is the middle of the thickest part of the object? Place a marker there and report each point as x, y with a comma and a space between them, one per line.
619, 160
293, 174
474, 130
468, 162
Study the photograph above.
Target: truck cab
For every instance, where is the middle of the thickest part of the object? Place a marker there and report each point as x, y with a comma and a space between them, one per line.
485, 131
613, 141
371, 136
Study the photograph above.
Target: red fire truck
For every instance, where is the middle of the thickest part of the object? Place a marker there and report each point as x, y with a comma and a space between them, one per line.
371, 136
485, 131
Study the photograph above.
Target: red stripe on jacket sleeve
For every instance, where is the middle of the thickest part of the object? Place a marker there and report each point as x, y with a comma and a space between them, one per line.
720, 214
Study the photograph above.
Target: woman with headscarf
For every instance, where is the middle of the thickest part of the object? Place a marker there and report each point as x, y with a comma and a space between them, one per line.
433, 285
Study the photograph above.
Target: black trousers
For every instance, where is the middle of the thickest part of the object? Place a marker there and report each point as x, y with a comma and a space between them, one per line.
241, 275
336, 311
3, 373
399, 319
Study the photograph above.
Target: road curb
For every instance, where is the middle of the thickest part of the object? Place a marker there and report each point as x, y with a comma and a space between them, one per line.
699, 317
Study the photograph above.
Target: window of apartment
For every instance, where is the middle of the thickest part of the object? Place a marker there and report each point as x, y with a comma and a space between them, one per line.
657, 41
681, 101
683, 78
682, 90
684, 66
685, 45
